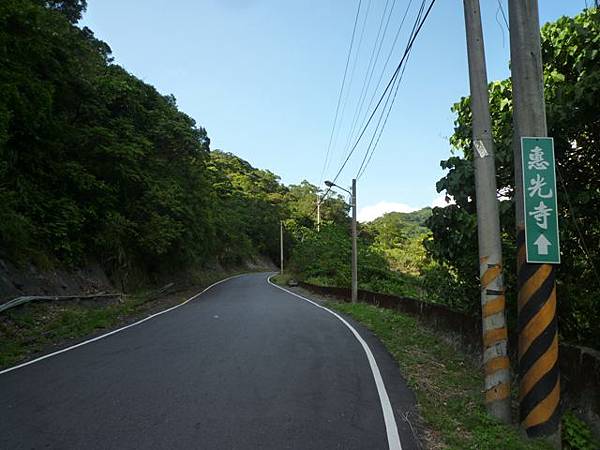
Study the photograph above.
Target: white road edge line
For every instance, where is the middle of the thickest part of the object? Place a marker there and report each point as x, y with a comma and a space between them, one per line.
386, 407
97, 338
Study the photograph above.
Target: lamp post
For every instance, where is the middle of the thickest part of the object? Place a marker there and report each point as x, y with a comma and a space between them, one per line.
354, 235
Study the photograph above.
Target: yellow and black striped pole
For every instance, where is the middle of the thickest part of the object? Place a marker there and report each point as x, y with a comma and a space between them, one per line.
495, 360
539, 378
539, 389
495, 338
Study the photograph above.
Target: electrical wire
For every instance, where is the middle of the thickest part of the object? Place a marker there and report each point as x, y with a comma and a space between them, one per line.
379, 128
352, 72
364, 168
371, 67
337, 109
412, 37
409, 46
391, 52
378, 131
417, 29
503, 14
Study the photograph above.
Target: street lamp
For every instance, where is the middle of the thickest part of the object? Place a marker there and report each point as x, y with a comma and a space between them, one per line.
330, 185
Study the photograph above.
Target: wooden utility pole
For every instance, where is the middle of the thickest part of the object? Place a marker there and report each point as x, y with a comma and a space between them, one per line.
495, 336
539, 389
354, 246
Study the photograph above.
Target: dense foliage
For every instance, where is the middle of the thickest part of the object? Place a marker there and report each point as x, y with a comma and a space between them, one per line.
390, 253
324, 257
96, 164
571, 55
399, 236
94, 161
246, 209
436, 251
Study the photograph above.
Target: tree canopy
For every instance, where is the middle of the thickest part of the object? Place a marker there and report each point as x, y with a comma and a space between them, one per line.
571, 57
96, 164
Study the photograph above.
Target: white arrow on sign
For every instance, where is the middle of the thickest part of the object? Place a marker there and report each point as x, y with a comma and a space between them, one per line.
542, 243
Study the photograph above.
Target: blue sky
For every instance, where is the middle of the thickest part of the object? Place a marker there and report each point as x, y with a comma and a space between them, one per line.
263, 78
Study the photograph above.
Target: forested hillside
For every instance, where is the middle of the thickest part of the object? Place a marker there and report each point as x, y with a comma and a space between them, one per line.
95, 162
96, 165
432, 254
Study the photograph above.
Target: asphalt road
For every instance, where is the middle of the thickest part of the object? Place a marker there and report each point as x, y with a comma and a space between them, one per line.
243, 366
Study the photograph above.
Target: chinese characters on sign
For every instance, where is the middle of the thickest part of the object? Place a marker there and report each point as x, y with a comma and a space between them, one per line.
539, 192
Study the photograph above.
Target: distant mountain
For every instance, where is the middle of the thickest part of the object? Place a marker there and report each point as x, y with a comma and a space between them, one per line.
393, 228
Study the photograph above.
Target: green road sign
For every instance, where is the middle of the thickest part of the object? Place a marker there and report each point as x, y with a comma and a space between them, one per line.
539, 192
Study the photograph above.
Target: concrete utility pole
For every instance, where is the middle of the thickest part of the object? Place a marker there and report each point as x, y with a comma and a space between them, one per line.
354, 246
539, 390
281, 245
354, 263
495, 336
318, 213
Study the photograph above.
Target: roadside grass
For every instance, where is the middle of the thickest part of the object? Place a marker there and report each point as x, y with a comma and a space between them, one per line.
398, 283
282, 279
448, 386
29, 329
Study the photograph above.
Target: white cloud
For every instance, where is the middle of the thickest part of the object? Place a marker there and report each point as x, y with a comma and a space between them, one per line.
368, 213
440, 201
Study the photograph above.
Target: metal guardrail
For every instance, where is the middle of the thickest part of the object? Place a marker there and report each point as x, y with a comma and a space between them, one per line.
34, 298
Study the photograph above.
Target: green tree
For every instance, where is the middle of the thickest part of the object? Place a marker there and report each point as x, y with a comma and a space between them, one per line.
95, 163
571, 55
248, 208
301, 200
72, 9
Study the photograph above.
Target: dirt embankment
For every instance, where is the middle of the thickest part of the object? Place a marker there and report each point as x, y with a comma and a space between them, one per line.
17, 281
31, 280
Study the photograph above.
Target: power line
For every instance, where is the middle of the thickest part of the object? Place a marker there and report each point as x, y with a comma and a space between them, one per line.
396, 72
503, 14
385, 92
375, 131
352, 71
337, 109
377, 45
379, 128
360, 174
391, 52
500, 24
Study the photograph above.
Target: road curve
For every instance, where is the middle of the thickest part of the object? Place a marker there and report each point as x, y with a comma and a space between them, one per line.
245, 365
